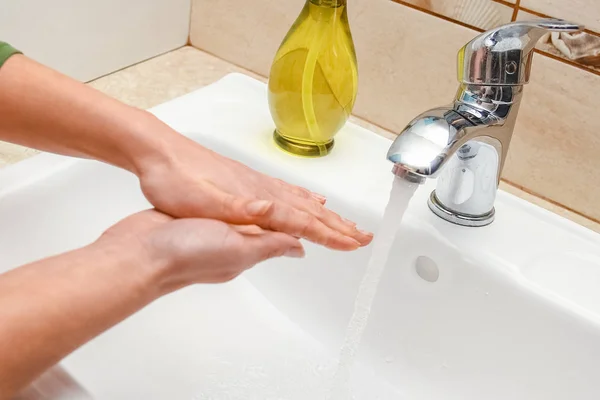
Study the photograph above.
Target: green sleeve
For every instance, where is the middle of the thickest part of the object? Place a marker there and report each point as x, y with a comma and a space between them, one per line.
6, 50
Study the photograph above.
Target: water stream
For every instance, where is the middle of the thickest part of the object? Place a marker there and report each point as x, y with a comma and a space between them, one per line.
402, 192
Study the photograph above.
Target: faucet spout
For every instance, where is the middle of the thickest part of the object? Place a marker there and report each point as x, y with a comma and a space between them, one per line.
428, 141
480, 114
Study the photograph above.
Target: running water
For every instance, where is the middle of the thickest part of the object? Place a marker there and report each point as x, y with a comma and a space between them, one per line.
402, 192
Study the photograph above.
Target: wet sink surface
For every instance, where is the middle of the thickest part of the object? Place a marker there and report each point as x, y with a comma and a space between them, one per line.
511, 310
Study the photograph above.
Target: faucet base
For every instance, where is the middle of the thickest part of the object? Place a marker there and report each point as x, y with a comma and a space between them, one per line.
456, 218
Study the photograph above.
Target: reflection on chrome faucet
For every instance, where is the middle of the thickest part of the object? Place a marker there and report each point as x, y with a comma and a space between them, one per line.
465, 144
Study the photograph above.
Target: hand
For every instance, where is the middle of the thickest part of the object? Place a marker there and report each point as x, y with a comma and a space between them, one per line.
197, 182
52, 306
43, 109
188, 251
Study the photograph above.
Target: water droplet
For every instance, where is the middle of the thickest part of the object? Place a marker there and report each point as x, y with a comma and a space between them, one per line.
389, 359
487, 293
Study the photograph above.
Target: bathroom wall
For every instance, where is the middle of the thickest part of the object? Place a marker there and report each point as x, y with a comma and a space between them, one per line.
88, 39
407, 52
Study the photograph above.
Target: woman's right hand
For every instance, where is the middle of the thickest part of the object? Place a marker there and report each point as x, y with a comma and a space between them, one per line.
52, 306
188, 251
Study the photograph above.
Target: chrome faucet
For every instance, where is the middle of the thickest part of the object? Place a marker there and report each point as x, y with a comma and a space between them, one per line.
465, 143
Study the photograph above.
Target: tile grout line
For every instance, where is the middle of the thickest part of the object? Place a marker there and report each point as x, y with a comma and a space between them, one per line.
189, 39
516, 10
568, 62
136, 63
553, 202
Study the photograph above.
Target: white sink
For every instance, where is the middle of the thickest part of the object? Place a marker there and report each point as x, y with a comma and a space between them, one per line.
514, 314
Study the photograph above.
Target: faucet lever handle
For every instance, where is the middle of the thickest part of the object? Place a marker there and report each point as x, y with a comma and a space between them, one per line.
503, 55
551, 24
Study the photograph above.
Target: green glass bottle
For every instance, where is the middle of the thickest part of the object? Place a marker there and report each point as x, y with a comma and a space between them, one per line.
314, 79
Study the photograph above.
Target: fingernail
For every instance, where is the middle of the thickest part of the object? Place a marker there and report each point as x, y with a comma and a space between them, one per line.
258, 207
347, 221
364, 232
319, 197
358, 244
295, 252
351, 244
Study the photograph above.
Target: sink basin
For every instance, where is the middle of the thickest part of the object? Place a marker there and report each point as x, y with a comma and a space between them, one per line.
507, 311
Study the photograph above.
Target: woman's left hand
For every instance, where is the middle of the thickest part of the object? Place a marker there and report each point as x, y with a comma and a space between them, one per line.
199, 183
43, 109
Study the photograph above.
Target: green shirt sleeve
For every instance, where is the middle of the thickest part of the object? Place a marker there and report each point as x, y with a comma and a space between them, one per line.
6, 50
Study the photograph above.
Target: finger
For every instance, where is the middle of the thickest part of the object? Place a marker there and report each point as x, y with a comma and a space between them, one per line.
319, 197
282, 217
258, 248
248, 229
276, 216
301, 192
330, 219
336, 222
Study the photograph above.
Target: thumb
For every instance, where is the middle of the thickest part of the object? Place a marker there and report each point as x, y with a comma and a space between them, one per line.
269, 245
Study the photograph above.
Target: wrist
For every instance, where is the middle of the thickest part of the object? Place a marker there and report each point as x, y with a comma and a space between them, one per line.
133, 262
153, 144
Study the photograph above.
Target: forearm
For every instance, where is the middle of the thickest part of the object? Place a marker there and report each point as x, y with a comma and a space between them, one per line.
43, 109
51, 307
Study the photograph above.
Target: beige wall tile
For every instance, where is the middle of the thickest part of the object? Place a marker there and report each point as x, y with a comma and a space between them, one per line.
582, 11
582, 48
484, 14
407, 61
554, 151
245, 33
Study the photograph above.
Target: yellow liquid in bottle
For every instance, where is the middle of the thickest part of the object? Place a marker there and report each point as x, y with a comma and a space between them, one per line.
314, 79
